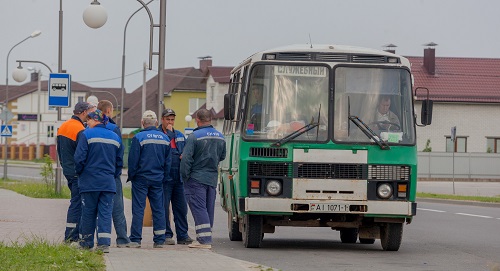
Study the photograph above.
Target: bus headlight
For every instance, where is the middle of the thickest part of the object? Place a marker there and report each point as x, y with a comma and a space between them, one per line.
273, 187
384, 190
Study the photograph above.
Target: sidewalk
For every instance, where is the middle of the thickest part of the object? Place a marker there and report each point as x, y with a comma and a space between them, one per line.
22, 218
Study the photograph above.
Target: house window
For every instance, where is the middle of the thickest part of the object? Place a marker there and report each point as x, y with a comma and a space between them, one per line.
50, 131
81, 99
492, 144
195, 104
459, 145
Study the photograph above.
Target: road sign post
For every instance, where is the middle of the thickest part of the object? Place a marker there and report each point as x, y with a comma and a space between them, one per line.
60, 90
6, 130
59, 96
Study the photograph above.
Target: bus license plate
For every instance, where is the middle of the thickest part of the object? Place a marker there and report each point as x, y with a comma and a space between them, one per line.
326, 207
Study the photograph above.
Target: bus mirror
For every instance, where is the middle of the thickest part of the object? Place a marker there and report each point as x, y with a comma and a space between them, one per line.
426, 113
229, 107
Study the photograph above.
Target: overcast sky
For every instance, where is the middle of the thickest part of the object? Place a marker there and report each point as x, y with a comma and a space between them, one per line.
231, 30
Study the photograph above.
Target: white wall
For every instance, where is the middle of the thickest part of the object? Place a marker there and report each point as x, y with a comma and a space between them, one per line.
476, 121
26, 131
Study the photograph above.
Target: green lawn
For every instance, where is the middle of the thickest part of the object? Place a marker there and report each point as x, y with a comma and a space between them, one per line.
35, 190
37, 254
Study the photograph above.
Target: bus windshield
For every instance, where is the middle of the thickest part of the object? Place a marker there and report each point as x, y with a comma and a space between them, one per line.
380, 98
283, 99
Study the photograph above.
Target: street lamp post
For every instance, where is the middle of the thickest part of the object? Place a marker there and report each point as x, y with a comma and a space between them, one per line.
33, 35
161, 49
21, 79
123, 65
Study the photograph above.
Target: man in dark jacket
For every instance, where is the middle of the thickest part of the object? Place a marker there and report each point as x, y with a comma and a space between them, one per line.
173, 188
204, 149
66, 146
98, 161
119, 220
148, 168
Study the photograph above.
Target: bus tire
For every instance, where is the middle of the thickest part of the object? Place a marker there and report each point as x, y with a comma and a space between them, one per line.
252, 231
368, 241
233, 228
349, 235
391, 235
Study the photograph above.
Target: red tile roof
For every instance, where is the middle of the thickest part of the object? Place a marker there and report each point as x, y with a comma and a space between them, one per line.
220, 74
472, 80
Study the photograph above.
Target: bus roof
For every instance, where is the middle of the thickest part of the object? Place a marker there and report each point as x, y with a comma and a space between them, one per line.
331, 49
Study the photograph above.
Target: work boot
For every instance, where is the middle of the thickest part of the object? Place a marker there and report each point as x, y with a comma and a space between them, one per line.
169, 241
134, 245
157, 245
186, 241
103, 248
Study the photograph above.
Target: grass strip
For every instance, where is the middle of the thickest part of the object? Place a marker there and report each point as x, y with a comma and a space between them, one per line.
39, 254
458, 197
36, 190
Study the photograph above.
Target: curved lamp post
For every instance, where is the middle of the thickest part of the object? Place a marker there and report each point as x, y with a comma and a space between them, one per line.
161, 49
20, 75
123, 64
6, 120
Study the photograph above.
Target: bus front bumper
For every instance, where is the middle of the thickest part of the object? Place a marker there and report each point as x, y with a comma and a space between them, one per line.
276, 205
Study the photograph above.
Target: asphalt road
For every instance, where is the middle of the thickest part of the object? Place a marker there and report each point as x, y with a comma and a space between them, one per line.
442, 237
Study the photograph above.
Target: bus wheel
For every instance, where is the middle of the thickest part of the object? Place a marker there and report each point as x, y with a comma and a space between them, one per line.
349, 236
233, 228
391, 235
252, 231
368, 241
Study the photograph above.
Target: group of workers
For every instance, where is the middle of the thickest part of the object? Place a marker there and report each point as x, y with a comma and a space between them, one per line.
163, 166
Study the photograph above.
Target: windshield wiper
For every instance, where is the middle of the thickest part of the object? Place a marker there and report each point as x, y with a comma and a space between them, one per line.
369, 132
300, 131
295, 134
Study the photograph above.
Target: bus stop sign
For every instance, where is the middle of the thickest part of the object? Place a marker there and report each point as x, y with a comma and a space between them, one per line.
60, 90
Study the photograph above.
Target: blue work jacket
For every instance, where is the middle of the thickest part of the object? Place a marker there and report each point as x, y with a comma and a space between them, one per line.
149, 156
204, 149
98, 159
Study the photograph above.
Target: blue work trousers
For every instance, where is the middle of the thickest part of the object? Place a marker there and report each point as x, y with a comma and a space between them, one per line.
201, 200
154, 191
74, 210
96, 209
174, 192
119, 221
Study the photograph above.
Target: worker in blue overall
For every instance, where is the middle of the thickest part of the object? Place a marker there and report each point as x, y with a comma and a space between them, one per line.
119, 220
173, 188
98, 161
204, 149
148, 168
66, 147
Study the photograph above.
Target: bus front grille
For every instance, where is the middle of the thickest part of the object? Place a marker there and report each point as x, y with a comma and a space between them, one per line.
330, 171
269, 152
389, 172
269, 169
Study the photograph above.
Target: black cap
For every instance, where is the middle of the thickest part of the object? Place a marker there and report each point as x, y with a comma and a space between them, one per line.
168, 112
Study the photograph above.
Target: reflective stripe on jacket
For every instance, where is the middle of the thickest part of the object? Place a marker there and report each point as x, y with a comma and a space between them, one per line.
149, 156
98, 159
204, 149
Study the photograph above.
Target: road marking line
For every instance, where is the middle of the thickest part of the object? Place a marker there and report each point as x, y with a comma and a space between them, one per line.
483, 216
431, 210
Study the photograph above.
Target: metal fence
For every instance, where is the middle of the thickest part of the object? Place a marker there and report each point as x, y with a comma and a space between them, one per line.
468, 166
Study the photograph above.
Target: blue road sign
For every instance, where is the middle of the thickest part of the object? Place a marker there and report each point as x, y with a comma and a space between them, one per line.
60, 90
6, 130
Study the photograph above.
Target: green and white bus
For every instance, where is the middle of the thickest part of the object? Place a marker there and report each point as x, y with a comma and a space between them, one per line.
310, 146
